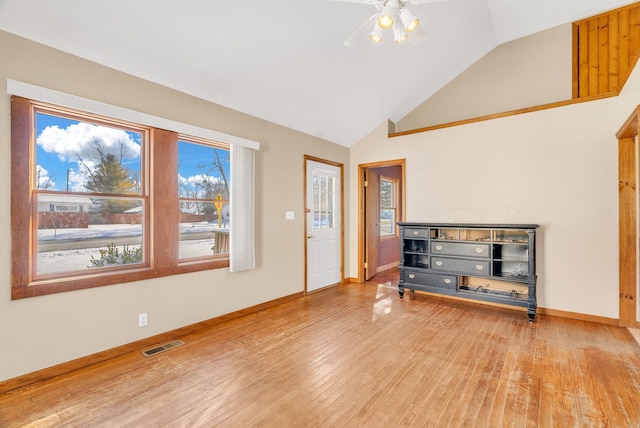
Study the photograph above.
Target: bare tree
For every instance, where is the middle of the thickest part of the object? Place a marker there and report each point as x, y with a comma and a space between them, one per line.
44, 182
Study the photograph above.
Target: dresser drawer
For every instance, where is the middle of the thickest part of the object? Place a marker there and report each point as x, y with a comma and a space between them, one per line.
461, 266
430, 279
416, 233
464, 249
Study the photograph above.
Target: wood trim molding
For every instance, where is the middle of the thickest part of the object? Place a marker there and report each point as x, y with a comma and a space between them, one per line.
138, 346
577, 316
628, 218
540, 311
504, 114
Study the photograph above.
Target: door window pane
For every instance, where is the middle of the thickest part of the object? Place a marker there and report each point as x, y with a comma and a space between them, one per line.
323, 201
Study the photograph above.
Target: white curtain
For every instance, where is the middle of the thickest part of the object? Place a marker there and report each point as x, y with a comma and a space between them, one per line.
242, 236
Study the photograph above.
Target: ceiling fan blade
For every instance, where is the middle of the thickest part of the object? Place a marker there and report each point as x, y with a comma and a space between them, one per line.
361, 32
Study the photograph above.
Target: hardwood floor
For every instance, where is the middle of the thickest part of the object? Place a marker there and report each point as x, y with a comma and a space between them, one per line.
357, 355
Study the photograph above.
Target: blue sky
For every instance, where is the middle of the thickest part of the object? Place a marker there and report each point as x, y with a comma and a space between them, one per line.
61, 143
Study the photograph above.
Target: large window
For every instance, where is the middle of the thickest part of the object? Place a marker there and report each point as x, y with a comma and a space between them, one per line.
97, 201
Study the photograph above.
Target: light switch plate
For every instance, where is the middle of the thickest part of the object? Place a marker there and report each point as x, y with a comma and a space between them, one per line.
288, 215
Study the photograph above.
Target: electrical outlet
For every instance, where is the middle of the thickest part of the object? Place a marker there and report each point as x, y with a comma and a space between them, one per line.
142, 320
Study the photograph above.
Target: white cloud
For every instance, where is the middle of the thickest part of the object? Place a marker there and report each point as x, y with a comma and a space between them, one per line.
197, 179
72, 143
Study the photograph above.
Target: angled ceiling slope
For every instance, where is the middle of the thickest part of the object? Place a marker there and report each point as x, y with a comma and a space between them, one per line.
285, 62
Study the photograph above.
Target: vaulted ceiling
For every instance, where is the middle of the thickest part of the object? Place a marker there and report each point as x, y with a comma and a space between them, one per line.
283, 60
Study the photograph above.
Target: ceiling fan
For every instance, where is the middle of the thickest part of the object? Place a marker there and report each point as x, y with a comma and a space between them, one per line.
392, 14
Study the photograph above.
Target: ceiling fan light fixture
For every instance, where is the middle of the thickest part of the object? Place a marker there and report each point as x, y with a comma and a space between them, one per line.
376, 33
409, 21
399, 33
389, 14
402, 38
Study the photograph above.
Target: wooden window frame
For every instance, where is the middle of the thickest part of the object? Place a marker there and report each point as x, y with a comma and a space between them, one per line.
161, 223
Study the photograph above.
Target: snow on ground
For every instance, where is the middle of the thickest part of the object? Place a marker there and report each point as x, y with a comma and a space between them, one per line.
77, 259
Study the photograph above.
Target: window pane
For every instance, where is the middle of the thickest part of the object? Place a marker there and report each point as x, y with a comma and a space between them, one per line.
203, 171
387, 194
323, 201
387, 222
82, 233
388, 204
203, 186
78, 156
201, 232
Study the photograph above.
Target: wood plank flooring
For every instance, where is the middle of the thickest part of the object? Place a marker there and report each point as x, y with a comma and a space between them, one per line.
357, 355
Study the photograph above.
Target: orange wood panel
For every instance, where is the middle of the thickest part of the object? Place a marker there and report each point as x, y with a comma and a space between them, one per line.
623, 35
606, 50
21, 130
634, 34
165, 210
614, 53
593, 52
603, 54
583, 61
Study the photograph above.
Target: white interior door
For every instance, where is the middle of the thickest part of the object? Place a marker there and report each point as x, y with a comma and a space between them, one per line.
324, 224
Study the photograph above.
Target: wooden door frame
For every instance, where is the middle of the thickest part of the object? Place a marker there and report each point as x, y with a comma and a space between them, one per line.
306, 210
361, 210
628, 218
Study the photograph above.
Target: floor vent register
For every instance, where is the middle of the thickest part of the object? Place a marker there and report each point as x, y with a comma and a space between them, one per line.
162, 348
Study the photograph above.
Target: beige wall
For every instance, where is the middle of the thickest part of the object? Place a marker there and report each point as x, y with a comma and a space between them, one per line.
526, 72
556, 168
40, 332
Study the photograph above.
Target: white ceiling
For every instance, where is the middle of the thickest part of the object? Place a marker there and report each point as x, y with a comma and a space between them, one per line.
283, 60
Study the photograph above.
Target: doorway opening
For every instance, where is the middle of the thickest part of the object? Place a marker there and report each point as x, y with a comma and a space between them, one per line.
381, 204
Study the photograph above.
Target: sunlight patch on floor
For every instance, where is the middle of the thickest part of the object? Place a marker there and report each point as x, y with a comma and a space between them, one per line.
381, 289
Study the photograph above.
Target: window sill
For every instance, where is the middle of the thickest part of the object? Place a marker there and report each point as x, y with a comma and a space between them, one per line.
53, 286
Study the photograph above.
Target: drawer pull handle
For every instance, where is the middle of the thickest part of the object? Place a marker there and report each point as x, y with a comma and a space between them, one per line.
438, 247
415, 232
479, 267
447, 281
411, 276
479, 250
438, 263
